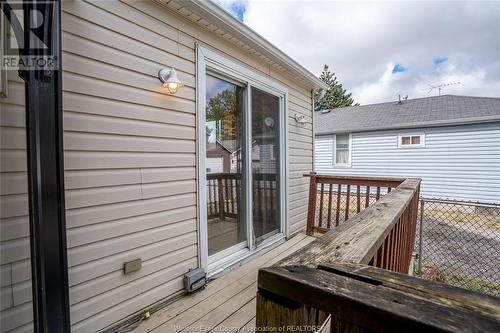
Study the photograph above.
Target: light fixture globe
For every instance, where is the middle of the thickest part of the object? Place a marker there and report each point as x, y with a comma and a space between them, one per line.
170, 80
269, 122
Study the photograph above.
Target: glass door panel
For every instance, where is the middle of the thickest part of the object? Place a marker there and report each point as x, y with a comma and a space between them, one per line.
265, 164
224, 164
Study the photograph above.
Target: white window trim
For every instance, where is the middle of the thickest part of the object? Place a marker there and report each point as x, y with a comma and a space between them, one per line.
411, 146
208, 60
342, 165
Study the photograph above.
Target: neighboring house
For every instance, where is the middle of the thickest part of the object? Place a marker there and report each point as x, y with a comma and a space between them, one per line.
451, 142
135, 155
221, 157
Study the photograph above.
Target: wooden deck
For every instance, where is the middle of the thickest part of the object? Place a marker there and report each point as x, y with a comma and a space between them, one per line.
227, 304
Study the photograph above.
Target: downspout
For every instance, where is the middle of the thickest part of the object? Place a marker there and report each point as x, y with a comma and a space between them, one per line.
322, 93
45, 164
313, 132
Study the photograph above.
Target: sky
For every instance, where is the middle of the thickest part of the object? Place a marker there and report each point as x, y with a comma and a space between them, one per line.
380, 50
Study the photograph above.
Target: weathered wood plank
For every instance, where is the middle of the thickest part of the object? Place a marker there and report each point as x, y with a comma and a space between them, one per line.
216, 315
357, 180
369, 302
425, 289
239, 319
283, 317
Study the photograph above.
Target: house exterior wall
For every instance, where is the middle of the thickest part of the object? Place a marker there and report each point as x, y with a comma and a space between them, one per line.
130, 162
16, 313
457, 162
218, 159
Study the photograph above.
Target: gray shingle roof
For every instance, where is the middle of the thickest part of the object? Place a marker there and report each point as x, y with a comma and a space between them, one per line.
420, 112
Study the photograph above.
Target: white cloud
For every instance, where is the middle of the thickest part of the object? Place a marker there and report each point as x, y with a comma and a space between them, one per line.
389, 86
362, 41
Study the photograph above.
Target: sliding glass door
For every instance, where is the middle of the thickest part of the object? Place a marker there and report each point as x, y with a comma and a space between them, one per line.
242, 166
265, 164
224, 166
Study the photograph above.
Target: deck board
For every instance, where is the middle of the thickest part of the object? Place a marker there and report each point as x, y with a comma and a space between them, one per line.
228, 301
249, 326
242, 316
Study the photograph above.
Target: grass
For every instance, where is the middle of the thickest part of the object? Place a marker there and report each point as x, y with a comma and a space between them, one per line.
434, 273
487, 220
481, 286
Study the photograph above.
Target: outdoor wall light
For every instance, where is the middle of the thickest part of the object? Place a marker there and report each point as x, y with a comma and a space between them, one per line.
170, 80
300, 118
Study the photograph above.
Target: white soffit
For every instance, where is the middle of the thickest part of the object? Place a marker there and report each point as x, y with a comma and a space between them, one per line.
212, 17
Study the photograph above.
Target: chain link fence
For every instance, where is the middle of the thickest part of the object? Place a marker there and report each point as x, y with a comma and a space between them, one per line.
458, 243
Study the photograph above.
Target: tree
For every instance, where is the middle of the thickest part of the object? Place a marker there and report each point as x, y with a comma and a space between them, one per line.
335, 96
221, 109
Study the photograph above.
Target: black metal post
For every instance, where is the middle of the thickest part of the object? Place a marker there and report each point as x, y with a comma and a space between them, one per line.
46, 174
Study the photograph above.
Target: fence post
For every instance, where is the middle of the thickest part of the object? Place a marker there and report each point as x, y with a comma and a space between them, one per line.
311, 214
420, 236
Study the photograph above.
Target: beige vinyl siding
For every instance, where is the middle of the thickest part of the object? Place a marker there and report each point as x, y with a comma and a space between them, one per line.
130, 161
300, 149
15, 267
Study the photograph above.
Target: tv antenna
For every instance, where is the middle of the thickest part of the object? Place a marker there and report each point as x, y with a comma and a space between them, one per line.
440, 86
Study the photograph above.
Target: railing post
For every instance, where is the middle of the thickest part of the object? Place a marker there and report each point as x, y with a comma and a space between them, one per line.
278, 314
221, 197
311, 214
420, 236
272, 315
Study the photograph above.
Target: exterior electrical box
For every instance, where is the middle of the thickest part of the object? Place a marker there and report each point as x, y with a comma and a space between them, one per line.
132, 266
195, 279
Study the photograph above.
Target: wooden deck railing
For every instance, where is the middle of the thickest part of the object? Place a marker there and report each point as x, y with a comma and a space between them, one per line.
331, 284
224, 195
381, 235
333, 199
342, 297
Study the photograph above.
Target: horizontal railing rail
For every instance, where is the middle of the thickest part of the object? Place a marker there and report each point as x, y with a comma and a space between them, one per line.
343, 297
334, 199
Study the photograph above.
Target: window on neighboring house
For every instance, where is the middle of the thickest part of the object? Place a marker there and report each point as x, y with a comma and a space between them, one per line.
272, 153
411, 141
342, 150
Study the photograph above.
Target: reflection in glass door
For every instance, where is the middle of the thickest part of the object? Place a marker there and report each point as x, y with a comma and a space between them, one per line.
224, 165
265, 164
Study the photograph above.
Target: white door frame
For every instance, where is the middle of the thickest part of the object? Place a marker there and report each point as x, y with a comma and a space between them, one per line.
208, 59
